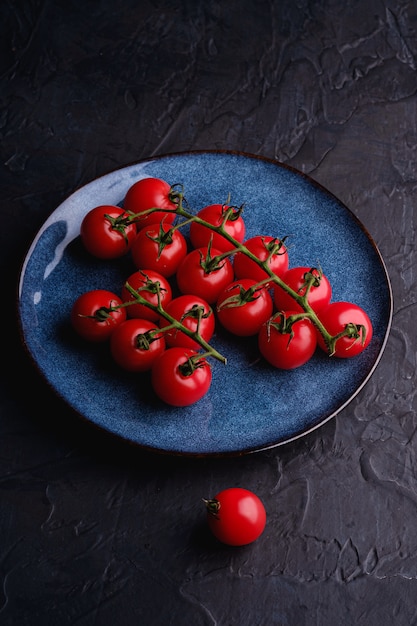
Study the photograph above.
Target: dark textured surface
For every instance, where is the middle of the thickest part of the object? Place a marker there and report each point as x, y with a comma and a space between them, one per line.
95, 533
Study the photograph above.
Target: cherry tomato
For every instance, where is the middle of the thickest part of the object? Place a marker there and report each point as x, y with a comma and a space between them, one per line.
297, 278
340, 317
105, 232
95, 314
236, 516
269, 249
242, 308
149, 284
149, 193
135, 344
286, 344
215, 214
159, 248
204, 273
180, 376
195, 314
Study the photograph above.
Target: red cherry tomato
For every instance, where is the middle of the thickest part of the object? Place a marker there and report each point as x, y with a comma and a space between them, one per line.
269, 249
203, 273
179, 381
236, 516
287, 346
105, 232
195, 314
297, 278
149, 193
339, 317
159, 248
95, 314
135, 344
214, 214
148, 283
242, 308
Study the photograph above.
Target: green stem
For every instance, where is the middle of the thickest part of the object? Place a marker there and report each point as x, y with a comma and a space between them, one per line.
174, 323
237, 246
272, 277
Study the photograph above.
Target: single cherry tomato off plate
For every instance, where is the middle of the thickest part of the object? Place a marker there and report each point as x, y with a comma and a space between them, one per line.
236, 516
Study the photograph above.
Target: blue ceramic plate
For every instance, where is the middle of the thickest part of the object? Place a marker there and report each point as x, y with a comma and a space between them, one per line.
250, 405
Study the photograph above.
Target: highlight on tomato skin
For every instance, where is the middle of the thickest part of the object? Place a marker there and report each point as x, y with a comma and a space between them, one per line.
236, 516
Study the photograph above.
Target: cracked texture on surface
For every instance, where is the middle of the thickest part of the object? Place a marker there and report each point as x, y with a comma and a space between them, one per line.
93, 533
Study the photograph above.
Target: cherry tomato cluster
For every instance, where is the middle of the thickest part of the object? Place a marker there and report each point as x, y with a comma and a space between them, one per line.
246, 286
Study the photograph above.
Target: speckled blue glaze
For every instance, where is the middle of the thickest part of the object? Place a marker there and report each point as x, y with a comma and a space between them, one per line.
250, 406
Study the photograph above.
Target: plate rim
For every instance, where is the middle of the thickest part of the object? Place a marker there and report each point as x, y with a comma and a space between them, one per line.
221, 453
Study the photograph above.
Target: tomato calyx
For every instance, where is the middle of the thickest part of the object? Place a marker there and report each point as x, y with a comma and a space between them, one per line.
312, 278
163, 238
357, 332
192, 363
196, 311
103, 313
242, 297
176, 194
143, 341
231, 213
150, 286
119, 224
213, 507
275, 246
209, 263
283, 323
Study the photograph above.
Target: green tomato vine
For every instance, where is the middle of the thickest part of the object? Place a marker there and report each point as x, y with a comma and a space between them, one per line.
182, 211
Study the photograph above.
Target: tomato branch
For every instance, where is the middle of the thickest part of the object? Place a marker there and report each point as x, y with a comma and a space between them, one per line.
173, 323
302, 300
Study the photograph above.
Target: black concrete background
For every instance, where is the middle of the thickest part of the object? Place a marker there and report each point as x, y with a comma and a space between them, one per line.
93, 532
